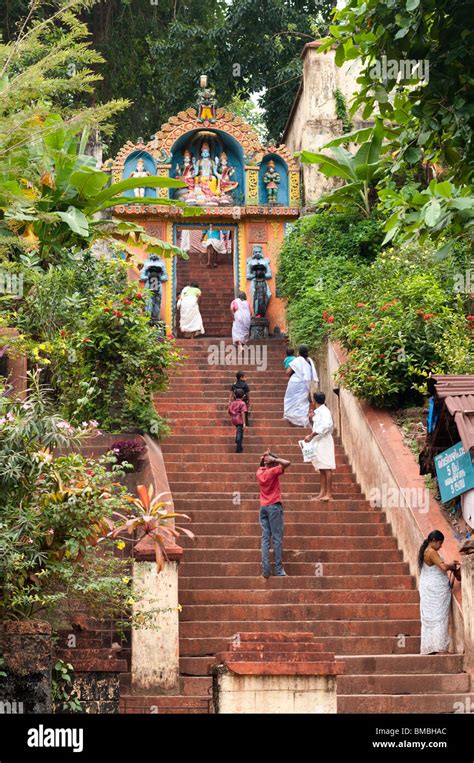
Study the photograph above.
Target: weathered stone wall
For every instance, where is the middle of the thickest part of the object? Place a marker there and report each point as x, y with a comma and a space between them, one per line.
26, 650
97, 692
313, 121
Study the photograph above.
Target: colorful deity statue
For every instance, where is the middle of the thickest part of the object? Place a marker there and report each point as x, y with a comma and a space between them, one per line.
186, 172
206, 106
225, 173
258, 273
206, 175
271, 181
139, 172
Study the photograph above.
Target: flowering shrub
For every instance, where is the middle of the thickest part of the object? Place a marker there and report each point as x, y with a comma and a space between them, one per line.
86, 329
400, 317
130, 451
59, 515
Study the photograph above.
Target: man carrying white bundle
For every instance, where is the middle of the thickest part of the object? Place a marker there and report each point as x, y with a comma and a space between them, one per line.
323, 444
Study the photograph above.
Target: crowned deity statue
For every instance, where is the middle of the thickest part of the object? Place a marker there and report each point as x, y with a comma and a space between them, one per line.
153, 274
207, 103
139, 172
206, 175
225, 172
187, 172
271, 180
258, 273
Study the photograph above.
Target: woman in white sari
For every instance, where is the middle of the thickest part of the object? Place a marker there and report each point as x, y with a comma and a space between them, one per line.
190, 320
302, 383
435, 595
241, 319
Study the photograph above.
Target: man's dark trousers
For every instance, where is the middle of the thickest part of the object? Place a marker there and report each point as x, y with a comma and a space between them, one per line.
271, 522
239, 437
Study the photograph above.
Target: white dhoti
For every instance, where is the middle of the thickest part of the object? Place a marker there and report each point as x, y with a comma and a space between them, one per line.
323, 443
296, 403
435, 602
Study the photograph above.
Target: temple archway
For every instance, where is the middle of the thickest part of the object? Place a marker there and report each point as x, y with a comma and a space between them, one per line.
224, 166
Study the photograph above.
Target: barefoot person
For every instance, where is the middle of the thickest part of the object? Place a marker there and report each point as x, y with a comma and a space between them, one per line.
435, 595
271, 510
303, 379
241, 318
324, 462
190, 320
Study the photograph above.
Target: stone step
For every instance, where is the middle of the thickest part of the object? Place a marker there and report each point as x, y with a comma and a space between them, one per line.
305, 529
342, 489
295, 596
404, 703
164, 705
314, 556
411, 683
349, 584
325, 570
248, 512
199, 638
316, 543
344, 646
247, 612
407, 663
289, 498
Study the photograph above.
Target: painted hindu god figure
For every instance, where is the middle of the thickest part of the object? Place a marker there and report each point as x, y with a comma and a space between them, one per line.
258, 273
187, 172
271, 180
139, 172
225, 173
207, 102
206, 173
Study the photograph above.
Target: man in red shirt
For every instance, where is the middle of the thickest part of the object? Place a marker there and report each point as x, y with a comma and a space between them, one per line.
271, 510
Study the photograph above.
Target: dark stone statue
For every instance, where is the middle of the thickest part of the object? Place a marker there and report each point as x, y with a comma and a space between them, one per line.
153, 274
259, 272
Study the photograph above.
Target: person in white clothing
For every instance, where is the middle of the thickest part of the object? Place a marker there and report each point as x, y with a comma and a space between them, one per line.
324, 462
435, 595
303, 381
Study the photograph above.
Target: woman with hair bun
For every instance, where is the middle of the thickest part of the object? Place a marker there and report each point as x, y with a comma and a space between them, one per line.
435, 595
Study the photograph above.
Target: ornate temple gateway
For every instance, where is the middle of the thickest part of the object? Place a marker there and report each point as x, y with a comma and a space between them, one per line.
247, 192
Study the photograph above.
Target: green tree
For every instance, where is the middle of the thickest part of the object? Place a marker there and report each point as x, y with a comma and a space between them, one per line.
417, 73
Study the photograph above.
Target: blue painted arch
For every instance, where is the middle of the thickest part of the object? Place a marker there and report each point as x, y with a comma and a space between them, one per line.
130, 165
219, 141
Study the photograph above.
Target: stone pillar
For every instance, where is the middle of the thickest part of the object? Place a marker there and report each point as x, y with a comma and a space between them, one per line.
155, 651
26, 649
275, 673
467, 584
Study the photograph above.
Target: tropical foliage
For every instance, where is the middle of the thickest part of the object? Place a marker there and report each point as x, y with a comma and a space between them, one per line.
415, 74
59, 517
399, 315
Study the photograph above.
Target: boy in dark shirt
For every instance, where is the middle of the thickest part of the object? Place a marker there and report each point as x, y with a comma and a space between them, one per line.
237, 410
242, 384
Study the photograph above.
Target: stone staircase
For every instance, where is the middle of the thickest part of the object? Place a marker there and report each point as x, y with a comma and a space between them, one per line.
347, 582
217, 289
